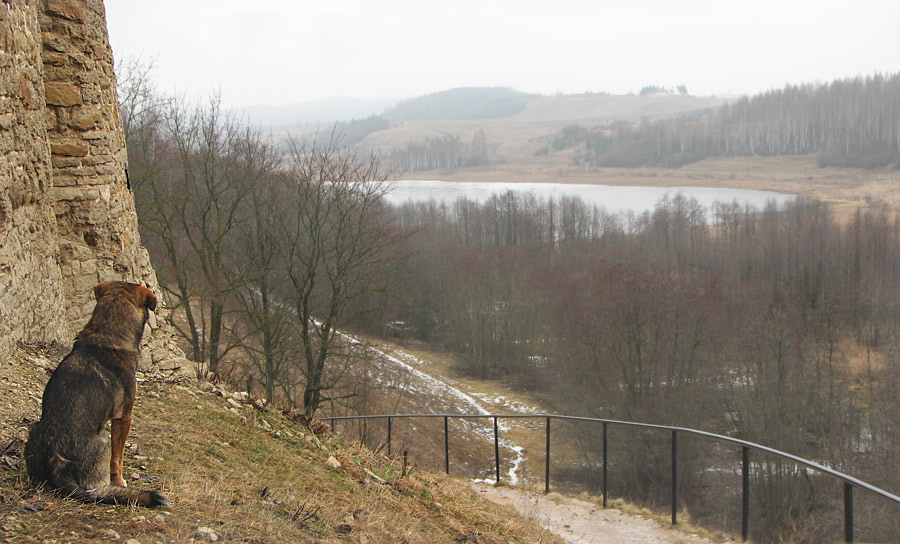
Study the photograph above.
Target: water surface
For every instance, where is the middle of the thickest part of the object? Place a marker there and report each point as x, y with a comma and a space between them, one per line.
613, 198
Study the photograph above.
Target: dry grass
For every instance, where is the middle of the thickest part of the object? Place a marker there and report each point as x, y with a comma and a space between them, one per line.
256, 476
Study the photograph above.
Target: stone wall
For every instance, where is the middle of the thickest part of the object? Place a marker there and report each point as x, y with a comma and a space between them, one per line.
31, 296
96, 219
67, 216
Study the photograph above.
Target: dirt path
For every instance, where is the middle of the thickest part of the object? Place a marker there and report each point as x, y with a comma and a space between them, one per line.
582, 522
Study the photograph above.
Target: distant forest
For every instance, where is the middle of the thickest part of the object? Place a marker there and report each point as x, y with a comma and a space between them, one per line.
849, 122
446, 153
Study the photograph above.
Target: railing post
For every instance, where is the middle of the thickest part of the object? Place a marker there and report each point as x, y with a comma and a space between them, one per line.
604, 465
497, 449
547, 468
389, 436
674, 477
446, 446
745, 493
848, 512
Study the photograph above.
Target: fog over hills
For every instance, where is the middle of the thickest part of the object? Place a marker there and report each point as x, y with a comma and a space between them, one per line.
319, 112
472, 103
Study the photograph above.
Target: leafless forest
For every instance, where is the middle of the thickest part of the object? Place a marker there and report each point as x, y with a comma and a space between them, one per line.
850, 122
778, 325
775, 325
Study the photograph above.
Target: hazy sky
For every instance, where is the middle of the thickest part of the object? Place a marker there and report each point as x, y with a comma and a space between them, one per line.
289, 51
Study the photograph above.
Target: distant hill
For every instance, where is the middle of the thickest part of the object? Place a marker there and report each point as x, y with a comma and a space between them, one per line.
511, 134
460, 103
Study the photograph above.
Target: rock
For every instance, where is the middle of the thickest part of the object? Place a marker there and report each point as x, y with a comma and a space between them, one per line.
33, 506
333, 463
9, 463
110, 533
132, 541
206, 534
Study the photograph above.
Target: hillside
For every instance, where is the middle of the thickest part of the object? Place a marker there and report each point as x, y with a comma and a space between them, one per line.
849, 123
518, 137
241, 473
460, 103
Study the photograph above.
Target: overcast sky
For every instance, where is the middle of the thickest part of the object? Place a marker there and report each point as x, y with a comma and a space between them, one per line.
291, 51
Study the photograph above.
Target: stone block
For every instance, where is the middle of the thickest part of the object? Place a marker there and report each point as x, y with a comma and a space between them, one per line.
53, 58
78, 193
62, 94
66, 9
64, 181
85, 118
7, 121
73, 149
61, 161
98, 157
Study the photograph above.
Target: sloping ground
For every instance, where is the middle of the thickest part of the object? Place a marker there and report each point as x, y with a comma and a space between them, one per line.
236, 472
433, 386
598, 107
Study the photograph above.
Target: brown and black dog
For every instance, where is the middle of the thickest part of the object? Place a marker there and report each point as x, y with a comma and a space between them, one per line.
67, 450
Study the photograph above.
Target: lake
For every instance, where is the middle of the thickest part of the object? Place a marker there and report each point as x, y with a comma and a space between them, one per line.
613, 198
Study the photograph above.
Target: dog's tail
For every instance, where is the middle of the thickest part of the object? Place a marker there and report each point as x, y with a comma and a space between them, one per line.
114, 494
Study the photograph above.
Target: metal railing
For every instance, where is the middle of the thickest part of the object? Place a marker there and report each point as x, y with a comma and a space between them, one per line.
848, 481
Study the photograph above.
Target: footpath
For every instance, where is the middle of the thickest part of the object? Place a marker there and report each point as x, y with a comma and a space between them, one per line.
582, 522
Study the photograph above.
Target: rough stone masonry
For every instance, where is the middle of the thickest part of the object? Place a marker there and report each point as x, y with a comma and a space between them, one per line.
67, 216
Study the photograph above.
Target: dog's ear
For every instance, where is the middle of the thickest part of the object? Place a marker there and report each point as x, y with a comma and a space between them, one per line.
100, 288
148, 299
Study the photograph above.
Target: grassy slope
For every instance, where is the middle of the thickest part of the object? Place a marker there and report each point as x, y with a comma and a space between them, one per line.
251, 476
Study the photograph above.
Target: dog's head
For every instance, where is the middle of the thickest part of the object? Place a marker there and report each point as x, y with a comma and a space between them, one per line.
119, 317
138, 295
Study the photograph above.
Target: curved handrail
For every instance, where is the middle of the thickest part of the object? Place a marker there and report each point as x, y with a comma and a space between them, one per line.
849, 481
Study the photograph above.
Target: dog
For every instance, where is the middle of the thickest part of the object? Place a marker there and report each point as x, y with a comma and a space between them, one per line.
67, 450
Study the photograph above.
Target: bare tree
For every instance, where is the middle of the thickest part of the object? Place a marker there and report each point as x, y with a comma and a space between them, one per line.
193, 168
255, 269
338, 237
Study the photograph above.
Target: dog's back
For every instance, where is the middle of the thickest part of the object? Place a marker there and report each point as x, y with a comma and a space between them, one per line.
67, 449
